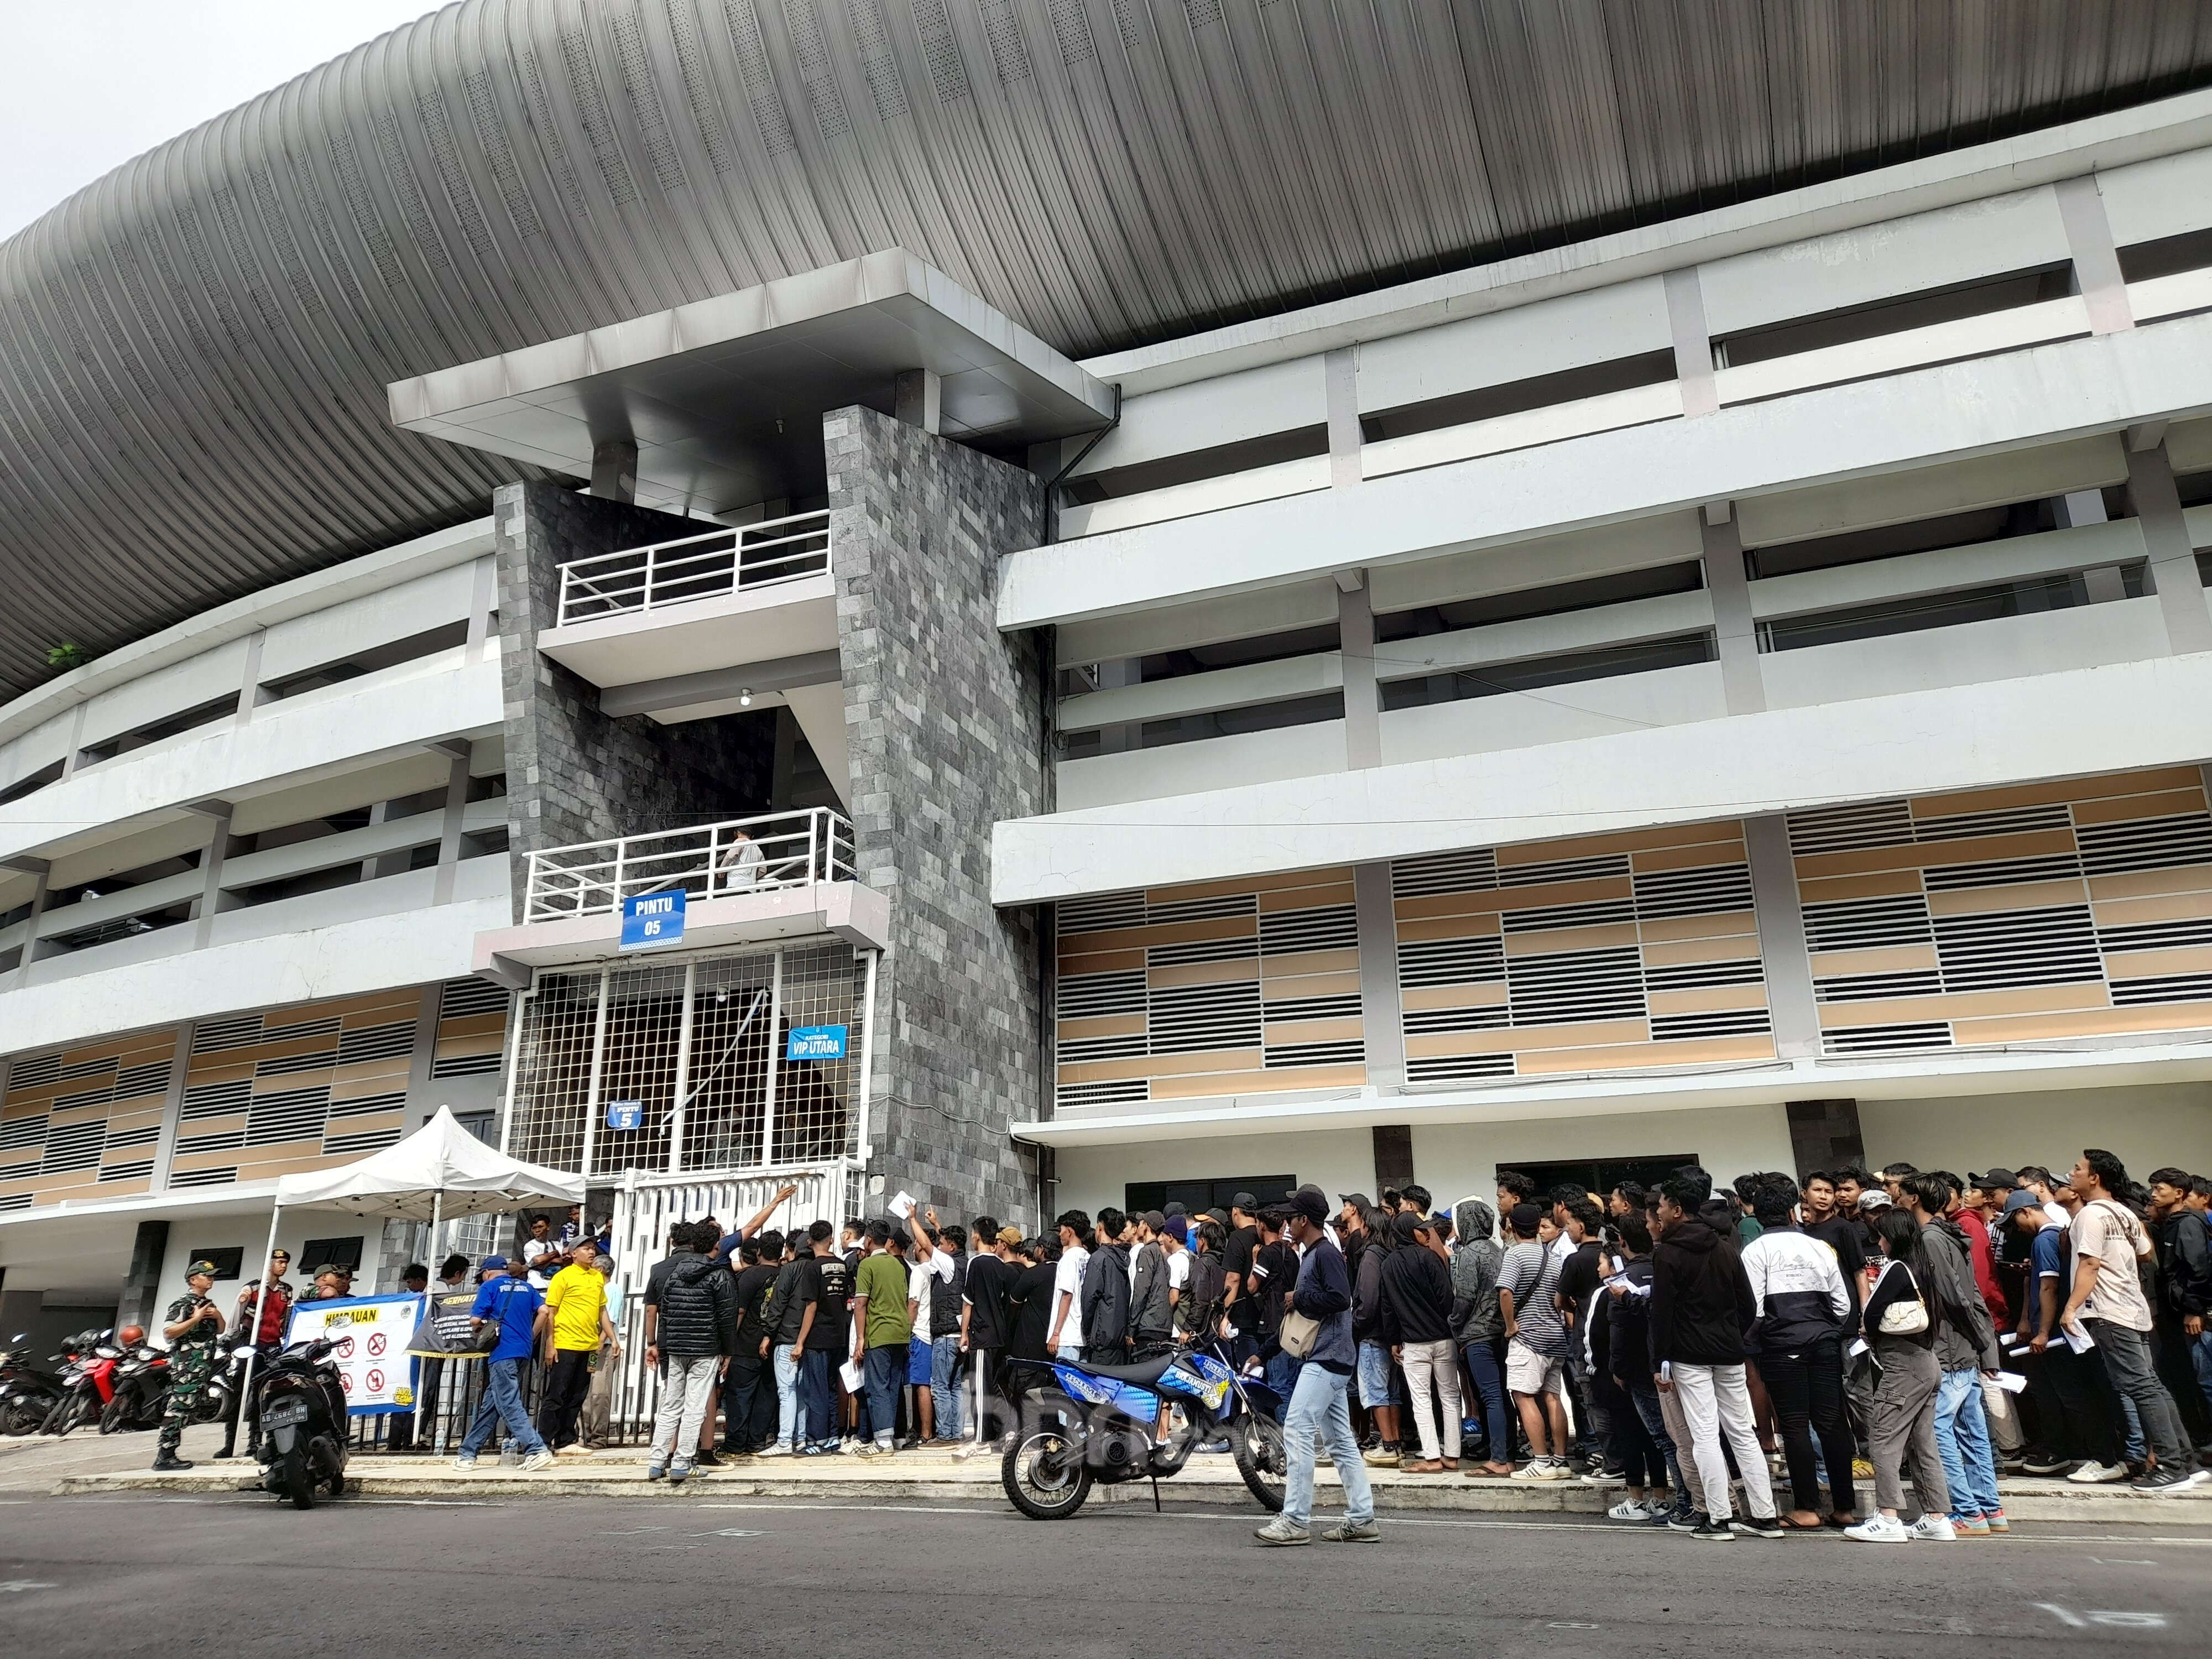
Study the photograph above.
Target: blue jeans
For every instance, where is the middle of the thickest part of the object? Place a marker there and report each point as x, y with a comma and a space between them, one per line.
883, 1371
1962, 1439
502, 1403
1319, 1408
786, 1393
1649, 1412
816, 1398
1490, 1382
945, 1385
2200, 1356
1378, 1386
1282, 1377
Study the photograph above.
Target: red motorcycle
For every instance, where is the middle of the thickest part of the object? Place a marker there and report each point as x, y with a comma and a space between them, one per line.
140, 1390
87, 1379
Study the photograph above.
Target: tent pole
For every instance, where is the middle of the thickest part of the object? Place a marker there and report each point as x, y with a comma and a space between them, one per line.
253, 1327
437, 1220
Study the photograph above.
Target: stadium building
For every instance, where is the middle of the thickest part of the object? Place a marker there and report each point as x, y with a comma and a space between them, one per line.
1194, 593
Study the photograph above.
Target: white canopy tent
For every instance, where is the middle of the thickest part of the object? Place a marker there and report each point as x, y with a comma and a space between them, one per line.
439, 1170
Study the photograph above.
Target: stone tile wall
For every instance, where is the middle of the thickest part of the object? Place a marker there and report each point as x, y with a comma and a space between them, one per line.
946, 726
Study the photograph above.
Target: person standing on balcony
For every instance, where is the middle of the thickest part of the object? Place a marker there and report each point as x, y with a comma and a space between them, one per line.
740, 864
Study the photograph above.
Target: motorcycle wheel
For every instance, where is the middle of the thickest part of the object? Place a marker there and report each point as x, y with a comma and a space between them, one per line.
1256, 1443
22, 1417
337, 1485
67, 1414
208, 1407
116, 1416
1036, 1483
299, 1479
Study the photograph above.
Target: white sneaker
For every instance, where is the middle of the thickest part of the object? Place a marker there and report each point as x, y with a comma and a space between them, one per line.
464, 1465
535, 1460
1880, 1528
779, 1449
1556, 1468
1628, 1510
1534, 1469
2094, 1474
1932, 1530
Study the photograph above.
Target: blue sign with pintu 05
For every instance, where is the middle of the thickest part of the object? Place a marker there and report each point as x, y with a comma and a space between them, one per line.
815, 1042
625, 1114
653, 920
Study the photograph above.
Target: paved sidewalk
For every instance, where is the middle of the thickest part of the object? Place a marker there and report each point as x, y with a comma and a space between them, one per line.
90, 1464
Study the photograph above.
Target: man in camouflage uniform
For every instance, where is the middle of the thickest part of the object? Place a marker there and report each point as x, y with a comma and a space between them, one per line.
193, 1328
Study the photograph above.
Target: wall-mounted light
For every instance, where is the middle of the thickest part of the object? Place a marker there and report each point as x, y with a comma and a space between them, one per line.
745, 698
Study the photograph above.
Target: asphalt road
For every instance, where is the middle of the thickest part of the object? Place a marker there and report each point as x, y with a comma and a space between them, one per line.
390, 1578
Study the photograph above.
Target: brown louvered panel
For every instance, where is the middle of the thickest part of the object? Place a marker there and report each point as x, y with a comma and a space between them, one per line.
382, 1073
1727, 851
1305, 963
1312, 1030
2076, 908
1451, 927
1724, 947
1234, 886
1489, 993
1098, 1025
473, 1025
1303, 898
1696, 1051
1551, 940
1157, 1066
1202, 1085
1198, 973
1707, 1000
1620, 841
1100, 962
1183, 933
1735, 924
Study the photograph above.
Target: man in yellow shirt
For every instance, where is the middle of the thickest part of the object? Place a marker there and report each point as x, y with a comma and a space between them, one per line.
577, 1323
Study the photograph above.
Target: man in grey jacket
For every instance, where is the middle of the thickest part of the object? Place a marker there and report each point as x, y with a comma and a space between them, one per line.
1966, 1348
1478, 1325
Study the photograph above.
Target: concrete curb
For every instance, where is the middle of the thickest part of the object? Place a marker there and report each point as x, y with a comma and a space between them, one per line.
941, 1481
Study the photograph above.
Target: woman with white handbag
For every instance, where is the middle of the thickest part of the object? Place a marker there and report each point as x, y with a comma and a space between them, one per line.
1900, 1327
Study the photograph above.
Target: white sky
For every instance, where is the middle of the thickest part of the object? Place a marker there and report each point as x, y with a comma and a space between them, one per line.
93, 82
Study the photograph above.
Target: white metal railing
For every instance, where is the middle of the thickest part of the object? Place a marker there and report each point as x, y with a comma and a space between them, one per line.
709, 860
713, 566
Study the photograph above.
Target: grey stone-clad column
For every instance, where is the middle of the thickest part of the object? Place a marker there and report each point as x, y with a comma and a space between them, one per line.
946, 722
572, 773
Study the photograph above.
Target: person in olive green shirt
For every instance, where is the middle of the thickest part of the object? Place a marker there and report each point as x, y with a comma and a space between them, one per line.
880, 1334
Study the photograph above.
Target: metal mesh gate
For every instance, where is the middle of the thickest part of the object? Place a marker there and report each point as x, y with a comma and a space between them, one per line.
702, 1047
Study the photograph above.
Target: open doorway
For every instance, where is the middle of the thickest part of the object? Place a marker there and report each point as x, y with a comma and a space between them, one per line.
1601, 1176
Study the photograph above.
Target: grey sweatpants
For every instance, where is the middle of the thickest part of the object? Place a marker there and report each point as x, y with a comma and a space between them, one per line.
686, 1383
1904, 1421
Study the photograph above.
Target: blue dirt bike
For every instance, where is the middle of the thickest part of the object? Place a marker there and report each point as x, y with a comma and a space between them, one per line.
1083, 1424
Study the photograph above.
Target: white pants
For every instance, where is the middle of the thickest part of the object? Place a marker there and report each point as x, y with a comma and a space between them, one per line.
1716, 1401
685, 1385
1426, 1363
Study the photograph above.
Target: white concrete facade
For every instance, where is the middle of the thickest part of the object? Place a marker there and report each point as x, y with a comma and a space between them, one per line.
1880, 492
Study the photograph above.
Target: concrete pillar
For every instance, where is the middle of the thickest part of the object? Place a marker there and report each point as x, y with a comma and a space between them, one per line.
172, 1108
1824, 1134
1694, 346
40, 868
211, 900
250, 693
1355, 644
1340, 386
2086, 506
946, 726
483, 592
422, 1106
1394, 1157
449, 833
919, 400
1736, 635
614, 469
1381, 1010
76, 750
2172, 557
2096, 261
1782, 937
148, 1250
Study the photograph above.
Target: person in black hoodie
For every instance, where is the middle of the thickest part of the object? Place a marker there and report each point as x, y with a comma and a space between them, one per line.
1374, 1332
1105, 1302
1417, 1289
1701, 1307
1624, 1308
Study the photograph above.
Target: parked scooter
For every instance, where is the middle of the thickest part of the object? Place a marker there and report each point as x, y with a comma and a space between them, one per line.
299, 1406
1082, 1424
27, 1395
87, 1380
140, 1382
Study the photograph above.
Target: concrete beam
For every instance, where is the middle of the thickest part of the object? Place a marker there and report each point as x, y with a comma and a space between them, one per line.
715, 685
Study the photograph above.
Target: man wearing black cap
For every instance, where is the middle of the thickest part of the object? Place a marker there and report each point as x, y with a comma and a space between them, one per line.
191, 1327
1317, 1405
1240, 1310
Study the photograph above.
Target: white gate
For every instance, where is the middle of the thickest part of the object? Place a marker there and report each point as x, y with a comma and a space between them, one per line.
646, 1206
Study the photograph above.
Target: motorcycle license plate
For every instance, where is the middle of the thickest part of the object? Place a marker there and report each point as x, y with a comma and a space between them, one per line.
284, 1413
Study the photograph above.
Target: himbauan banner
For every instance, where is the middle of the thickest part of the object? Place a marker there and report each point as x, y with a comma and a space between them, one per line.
372, 1333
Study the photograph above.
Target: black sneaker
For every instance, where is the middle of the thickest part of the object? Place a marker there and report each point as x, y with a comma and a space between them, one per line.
2165, 1478
1690, 1520
1710, 1531
2037, 1461
705, 1459
1759, 1525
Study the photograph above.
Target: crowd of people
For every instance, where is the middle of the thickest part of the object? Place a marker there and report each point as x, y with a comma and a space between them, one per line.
1738, 1359
1915, 1327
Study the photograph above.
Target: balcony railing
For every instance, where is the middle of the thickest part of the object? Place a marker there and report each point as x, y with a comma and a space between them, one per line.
715, 565
710, 860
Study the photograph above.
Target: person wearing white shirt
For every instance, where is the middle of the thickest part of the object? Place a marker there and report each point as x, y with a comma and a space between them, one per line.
1065, 1340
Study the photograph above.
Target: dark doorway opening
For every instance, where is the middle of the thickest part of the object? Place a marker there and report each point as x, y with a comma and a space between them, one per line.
1214, 1196
1601, 1176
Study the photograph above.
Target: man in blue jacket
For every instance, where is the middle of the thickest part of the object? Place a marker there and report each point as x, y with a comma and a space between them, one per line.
1318, 1406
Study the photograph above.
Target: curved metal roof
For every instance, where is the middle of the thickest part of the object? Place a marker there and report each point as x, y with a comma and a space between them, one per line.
193, 351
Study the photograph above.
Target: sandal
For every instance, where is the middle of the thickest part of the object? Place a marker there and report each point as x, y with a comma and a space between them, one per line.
1801, 1526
